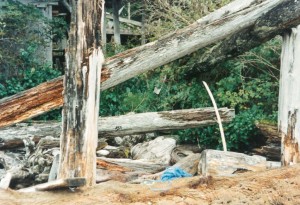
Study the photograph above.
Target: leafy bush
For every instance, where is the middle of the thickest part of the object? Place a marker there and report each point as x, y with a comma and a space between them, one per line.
23, 32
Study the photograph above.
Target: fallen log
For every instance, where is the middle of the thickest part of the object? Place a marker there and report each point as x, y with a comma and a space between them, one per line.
270, 151
219, 163
270, 132
135, 165
12, 137
242, 24
270, 145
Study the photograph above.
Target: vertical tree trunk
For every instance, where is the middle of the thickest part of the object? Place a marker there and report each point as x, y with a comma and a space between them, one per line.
84, 60
117, 35
289, 98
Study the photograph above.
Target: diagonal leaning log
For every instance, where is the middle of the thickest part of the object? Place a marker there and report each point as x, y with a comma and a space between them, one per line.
242, 24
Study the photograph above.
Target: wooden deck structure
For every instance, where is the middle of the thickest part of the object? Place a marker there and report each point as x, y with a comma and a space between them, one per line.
117, 28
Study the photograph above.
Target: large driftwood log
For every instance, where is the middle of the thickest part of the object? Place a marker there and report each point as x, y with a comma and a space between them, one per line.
12, 137
241, 24
289, 98
219, 163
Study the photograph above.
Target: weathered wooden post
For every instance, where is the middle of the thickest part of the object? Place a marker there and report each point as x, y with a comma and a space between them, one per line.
84, 60
289, 98
116, 4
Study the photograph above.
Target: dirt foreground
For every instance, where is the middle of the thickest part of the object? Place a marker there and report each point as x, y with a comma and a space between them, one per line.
275, 187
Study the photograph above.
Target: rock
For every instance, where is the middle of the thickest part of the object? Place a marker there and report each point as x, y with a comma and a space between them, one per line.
102, 153
119, 140
127, 140
158, 150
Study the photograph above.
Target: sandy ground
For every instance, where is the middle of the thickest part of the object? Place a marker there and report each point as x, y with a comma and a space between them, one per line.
275, 187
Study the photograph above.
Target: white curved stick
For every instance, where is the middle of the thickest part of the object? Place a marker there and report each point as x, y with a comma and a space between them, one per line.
218, 116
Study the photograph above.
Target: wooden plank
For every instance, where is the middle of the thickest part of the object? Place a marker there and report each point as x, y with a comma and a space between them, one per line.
123, 31
57, 184
124, 20
117, 34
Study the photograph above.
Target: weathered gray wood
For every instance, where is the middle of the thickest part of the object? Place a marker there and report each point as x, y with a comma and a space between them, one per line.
219, 163
124, 20
137, 165
243, 24
12, 137
84, 59
54, 168
4, 183
57, 184
265, 28
117, 35
103, 30
189, 163
289, 98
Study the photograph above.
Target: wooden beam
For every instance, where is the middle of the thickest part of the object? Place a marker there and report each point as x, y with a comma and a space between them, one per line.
238, 20
32, 102
57, 184
12, 137
124, 20
117, 35
128, 32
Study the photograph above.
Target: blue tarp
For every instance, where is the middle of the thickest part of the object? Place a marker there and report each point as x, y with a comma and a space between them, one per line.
173, 173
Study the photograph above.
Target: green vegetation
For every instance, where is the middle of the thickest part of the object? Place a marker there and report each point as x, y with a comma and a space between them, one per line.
23, 32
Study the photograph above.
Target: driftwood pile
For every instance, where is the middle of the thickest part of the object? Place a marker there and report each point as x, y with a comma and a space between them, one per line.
29, 153
133, 159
